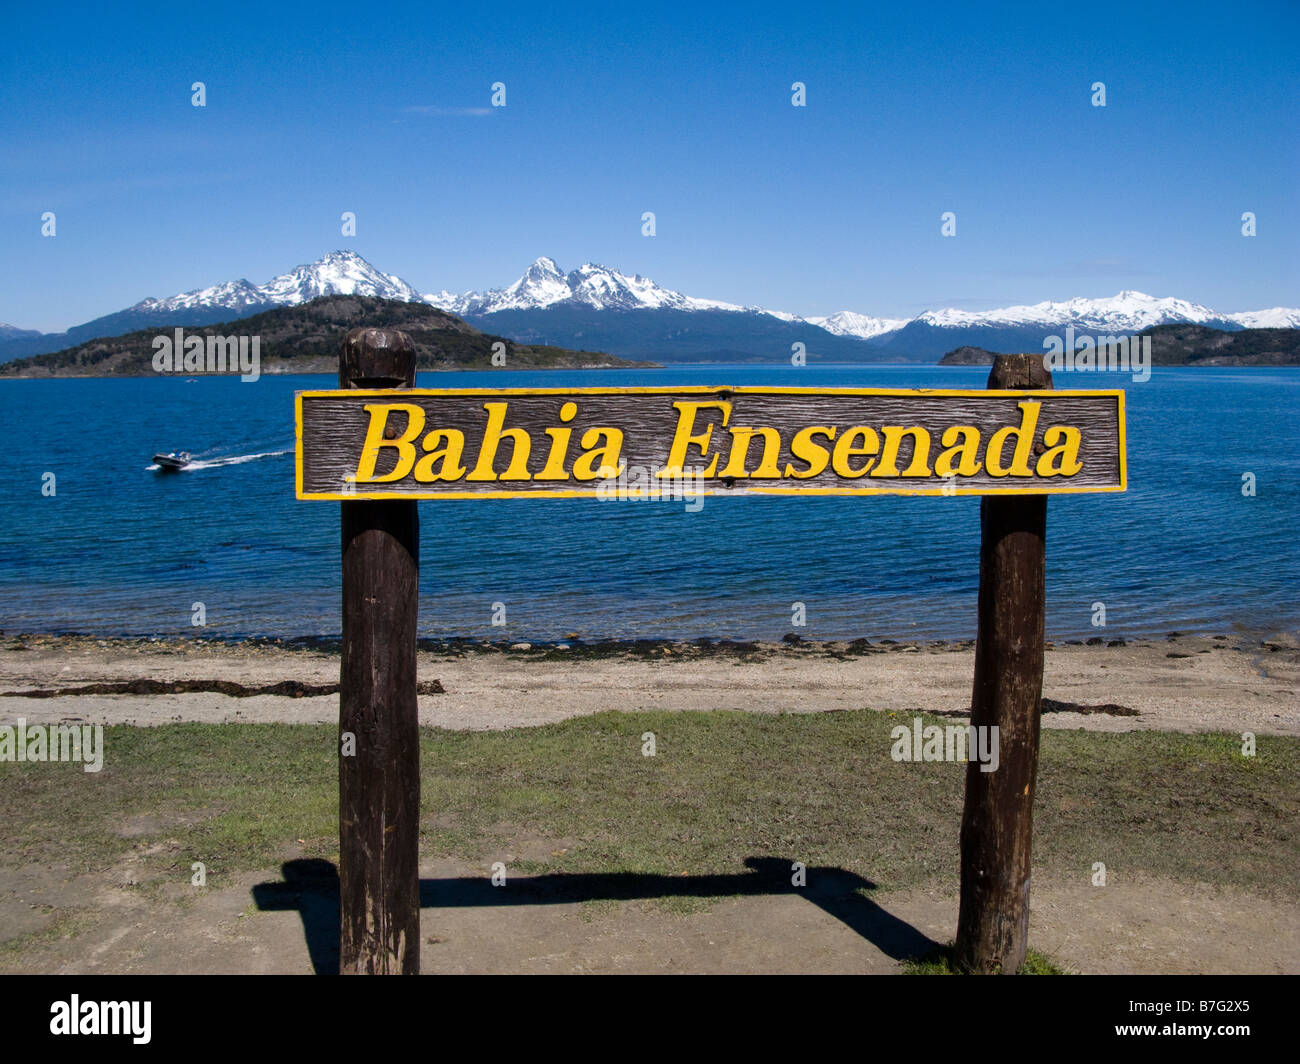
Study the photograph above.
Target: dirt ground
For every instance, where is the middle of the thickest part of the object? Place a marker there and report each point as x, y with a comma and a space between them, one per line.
285, 919
1182, 684
263, 925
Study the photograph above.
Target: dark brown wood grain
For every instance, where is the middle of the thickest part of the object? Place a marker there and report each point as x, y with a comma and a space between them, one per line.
997, 821
379, 784
334, 428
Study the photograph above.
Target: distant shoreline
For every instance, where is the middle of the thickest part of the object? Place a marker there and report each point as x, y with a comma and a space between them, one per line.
316, 371
1162, 345
333, 372
1264, 638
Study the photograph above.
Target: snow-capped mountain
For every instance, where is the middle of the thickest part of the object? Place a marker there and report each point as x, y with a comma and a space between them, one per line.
544, 284
338, 273
591, 286
1025, 328
851, 323
1127, 312
1273, 318
549, 306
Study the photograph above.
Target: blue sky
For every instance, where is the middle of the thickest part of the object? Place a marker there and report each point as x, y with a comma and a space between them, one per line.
612, 110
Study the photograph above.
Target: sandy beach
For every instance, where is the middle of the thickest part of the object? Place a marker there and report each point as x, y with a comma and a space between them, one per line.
1177, 683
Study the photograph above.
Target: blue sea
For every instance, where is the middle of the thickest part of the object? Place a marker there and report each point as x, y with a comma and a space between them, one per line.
120, 549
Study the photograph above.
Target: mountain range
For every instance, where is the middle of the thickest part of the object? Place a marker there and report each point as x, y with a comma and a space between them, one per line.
596, 307
304, 338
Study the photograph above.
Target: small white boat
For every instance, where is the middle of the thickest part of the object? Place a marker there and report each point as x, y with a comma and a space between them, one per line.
173, 461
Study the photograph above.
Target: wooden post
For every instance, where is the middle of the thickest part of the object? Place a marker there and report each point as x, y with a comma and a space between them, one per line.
997, 822
379, 783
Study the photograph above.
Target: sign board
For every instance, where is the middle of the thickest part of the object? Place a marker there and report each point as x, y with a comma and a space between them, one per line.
566, 442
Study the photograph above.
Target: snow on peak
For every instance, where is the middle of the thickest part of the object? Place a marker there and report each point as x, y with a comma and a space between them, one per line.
851, 323
338, 273
543, 267
232, 294
1128, 310
592, 285
544, 284
601, 287
1273, 318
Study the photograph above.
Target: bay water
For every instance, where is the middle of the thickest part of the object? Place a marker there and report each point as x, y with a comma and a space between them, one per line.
121, 549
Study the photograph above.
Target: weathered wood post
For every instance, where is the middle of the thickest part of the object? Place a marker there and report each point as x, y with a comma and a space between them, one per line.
997, 822
379, 783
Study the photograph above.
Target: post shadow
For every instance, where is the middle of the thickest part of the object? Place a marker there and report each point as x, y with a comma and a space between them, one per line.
312, 888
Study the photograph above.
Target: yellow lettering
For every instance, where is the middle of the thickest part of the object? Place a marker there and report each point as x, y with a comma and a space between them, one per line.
587, 468
405, 443
559, 446
1067, 451
1024, 434
740, 439
920, 464
846, 449
492, 436
803, 448
451, 469
682, 438
966, 452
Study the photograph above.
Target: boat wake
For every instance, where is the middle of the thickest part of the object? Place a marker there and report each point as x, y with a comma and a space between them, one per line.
196, 464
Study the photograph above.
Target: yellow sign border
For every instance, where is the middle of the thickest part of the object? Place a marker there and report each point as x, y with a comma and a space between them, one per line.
702, 389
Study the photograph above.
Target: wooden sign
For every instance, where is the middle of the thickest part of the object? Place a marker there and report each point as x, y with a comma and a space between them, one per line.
1017, 442
556, 442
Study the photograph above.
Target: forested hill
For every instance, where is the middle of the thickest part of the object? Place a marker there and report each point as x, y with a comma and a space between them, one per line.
306, 339
1188, 345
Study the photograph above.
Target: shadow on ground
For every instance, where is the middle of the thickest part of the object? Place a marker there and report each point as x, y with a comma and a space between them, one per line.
311, 887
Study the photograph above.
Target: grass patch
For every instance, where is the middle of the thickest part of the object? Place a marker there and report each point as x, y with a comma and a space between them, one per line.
940, 962
1187, 807
231, 796
723, 787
